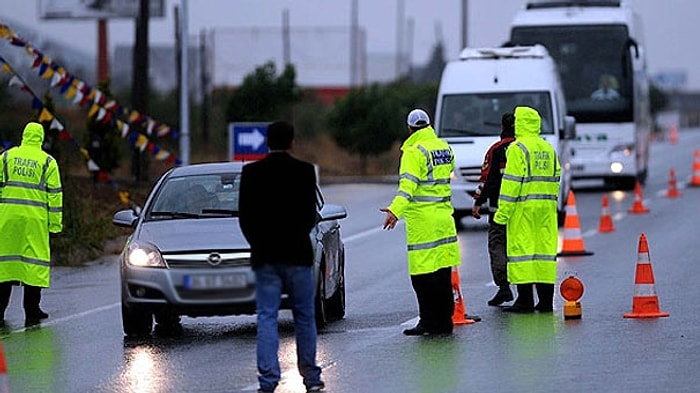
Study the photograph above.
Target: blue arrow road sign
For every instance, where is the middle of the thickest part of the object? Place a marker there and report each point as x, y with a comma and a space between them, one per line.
247, 141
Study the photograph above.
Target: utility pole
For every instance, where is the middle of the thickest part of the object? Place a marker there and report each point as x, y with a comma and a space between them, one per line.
139, 90
465, 23
204, 81
354, 44
102, 51
184, 86
399, 37
286, 40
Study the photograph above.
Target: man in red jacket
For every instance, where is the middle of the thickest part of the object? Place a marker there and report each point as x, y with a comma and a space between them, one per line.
489, 187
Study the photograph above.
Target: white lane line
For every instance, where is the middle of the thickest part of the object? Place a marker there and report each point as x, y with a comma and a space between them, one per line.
366, 233
56, 321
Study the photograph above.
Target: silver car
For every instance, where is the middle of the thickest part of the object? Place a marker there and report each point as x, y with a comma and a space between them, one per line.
187, 254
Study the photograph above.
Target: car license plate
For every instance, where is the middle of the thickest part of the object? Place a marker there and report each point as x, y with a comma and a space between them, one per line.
215, 281
577, 168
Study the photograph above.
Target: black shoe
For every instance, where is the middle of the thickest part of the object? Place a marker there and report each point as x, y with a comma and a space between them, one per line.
543, 308
316, 388
2, 323
37, 314
518, 308
416, 331
503, 295
29, 322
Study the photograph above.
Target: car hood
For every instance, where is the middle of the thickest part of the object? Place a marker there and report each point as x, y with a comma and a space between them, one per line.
196, 234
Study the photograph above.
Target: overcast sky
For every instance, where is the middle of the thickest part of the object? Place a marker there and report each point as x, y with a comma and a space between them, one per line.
671, 26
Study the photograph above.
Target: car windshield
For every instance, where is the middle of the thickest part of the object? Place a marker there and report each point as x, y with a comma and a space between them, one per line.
197, 196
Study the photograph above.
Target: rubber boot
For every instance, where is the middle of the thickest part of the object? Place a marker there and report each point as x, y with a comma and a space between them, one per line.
545, 294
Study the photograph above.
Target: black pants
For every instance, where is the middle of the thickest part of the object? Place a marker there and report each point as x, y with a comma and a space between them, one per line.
545, 295
497, 252
435, 299
32, 297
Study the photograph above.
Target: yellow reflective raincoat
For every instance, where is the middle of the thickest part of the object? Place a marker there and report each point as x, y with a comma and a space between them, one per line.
527, 203
31, 201
423, 200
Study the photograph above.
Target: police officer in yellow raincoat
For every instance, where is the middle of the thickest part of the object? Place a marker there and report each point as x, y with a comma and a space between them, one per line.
423, 200
527, 205
31, 201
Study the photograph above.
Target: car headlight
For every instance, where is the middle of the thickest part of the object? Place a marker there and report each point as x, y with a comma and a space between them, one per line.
143, 255
625, 150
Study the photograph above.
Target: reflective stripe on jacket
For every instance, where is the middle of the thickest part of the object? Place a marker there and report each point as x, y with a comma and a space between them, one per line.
528, 203
31, 201
423, 199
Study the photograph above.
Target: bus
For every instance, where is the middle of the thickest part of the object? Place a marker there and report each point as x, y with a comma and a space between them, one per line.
599, 51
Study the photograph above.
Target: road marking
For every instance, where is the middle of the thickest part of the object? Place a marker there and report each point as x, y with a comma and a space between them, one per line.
366, 233
56, 321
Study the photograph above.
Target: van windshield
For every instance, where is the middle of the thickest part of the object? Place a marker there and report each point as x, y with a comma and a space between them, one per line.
480, 114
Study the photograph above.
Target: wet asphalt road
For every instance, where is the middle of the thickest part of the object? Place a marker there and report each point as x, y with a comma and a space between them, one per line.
81, 348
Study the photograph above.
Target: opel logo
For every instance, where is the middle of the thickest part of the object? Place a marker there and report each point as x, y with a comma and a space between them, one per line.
214, 259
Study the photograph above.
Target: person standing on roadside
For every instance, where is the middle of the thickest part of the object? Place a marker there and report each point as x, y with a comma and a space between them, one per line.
488, 189
527, 206
423, 199
31, 211
281, 189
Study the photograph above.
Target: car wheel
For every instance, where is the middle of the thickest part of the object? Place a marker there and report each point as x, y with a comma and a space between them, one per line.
320, 302
136, 322
336, 307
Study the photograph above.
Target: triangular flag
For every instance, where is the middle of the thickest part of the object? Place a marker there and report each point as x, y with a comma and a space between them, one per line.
56, 125
45, 115
92, 166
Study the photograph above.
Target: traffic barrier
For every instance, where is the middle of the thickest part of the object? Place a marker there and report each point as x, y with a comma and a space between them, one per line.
573, 241
459, 316
695, 178
4, 381
672, 191
673, 134
638, 206
606, 223
571, 290
645, 303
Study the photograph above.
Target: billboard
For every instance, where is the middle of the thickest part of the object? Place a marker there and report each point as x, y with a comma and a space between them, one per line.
96, 9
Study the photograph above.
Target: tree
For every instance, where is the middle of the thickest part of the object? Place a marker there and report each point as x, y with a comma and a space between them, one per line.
263, 95
368, 121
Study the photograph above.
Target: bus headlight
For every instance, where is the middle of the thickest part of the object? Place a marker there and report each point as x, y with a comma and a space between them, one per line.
616, 167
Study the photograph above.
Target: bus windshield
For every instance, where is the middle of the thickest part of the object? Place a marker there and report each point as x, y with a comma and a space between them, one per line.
595, 68
480, 114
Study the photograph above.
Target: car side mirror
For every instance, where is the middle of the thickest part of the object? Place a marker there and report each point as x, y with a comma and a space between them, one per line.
331, 212
569, 131
125, 218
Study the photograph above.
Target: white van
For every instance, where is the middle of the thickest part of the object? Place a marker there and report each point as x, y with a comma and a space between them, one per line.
477, 89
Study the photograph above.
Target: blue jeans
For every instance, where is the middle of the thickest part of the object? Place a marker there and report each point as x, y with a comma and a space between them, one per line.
298, 281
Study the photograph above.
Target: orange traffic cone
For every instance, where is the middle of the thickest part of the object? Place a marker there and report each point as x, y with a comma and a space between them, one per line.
673, 134
606, 224
638, 206
459, 317
4, 382
695, 178
573, 242
672, 191
645, 303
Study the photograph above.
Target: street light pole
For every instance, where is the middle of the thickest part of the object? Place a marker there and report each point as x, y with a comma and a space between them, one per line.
184, 87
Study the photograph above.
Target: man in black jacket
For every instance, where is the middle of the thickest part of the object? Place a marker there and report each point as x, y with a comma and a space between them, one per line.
277, 212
